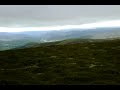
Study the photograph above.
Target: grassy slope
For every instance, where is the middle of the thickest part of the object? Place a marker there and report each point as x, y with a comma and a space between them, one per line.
81, 63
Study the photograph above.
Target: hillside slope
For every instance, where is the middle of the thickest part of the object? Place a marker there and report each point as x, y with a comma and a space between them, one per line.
79, 63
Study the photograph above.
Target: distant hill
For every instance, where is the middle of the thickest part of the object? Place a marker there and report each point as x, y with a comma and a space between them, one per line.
16, 40
97, 33
62, 42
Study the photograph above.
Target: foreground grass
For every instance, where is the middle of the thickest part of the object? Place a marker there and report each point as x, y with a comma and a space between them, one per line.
88, 63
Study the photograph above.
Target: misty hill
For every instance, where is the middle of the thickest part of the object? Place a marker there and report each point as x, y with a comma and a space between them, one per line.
97, 33
62, 42
88, 63
15, 40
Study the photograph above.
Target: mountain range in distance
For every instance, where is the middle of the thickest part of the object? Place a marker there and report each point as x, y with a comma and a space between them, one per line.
9, 40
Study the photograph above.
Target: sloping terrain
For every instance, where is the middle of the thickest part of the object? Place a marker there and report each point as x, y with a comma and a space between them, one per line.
62, 42
77, 63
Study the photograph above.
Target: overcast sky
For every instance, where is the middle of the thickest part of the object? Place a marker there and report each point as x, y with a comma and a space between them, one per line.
52, 15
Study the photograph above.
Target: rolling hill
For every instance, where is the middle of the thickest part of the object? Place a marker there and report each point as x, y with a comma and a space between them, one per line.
19, 39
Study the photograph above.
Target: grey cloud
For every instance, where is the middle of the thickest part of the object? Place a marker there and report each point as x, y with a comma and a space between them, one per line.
44, 15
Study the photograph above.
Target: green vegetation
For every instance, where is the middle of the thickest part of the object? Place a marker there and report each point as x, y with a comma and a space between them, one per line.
88, 63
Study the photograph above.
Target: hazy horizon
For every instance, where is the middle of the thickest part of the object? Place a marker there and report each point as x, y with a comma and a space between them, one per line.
113, 23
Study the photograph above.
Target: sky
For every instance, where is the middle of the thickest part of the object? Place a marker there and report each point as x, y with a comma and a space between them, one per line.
15, 18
